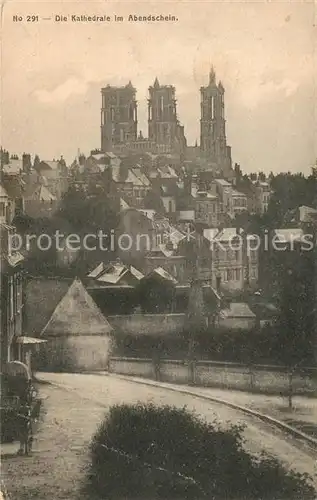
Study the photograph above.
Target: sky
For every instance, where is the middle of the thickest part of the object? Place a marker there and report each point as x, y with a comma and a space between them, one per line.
263, 52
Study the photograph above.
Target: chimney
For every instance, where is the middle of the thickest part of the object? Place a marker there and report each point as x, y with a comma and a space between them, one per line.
26, 162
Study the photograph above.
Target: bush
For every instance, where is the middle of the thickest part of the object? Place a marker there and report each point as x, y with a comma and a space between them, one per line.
165, 452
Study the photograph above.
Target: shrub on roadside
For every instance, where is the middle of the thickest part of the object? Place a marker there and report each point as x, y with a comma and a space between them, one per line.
146, 451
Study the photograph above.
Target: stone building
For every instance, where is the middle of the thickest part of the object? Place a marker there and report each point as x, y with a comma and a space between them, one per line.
119, 123
213, 142
118, 116
163, 124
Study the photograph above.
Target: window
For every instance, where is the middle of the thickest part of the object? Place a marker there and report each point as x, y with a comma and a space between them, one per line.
237, 255
238, 274
253, 273
2, 209
212, 107
161, 104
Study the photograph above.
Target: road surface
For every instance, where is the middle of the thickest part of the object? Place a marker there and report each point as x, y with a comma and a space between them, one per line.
75, 406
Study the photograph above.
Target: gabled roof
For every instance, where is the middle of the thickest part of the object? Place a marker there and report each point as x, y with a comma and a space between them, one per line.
52, 164
97, 271
131, 177
237, 310
113, 273
3, 192
167, 172
123, 204
46, 195
210, 234
163, 274
14, 167
140, 175
38, 193
136, 273
76, 314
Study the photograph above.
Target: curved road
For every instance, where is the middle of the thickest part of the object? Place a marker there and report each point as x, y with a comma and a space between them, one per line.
74, 406
105, 390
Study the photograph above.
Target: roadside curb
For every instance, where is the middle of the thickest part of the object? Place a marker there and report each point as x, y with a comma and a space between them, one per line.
261, 416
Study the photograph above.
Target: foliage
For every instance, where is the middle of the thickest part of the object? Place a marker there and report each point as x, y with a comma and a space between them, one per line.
296, 321
199, 459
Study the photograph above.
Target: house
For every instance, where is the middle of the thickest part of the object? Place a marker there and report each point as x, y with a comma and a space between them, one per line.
12, 294
237, 316
207, 208
139, 230
55, 174
113, 286
6, 209
263, 194
234, 262
239, 202
39, 202
77, 333
307, 215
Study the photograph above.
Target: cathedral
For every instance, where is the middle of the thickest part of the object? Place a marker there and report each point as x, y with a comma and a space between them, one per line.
119, 121
119, 125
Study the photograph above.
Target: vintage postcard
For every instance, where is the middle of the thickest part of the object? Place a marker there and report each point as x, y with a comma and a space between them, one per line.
158, 223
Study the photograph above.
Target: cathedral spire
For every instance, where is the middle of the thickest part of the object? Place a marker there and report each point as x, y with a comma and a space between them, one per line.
212, 76
156, 83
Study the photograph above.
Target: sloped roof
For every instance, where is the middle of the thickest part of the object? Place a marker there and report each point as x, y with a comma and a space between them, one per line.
52, 164
14, 167
76, 314
143, 178
164, 274
210, 234
97, 271
237, 193
131, 177
3, 192
238, 310
136, 273
123, 204
46, 195
113, 273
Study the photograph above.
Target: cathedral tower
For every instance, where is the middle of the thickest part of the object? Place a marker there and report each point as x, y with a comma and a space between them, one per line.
118, 116
162, 118
213, 142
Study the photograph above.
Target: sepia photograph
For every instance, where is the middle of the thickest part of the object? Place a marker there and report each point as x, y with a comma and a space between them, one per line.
158, 237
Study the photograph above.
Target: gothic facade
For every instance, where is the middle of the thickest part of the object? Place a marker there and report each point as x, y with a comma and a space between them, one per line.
213, 142
119, 119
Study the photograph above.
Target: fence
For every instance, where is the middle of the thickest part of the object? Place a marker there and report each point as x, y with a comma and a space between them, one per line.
268, 379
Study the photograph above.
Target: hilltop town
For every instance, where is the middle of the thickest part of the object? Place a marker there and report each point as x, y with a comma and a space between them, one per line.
172, 215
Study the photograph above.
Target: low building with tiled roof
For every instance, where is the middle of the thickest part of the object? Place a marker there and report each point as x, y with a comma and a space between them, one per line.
77, 333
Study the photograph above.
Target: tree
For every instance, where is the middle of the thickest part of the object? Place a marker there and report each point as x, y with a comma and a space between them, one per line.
296, 325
